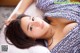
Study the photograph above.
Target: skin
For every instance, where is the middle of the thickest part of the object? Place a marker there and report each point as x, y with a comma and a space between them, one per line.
19, 10
56, 30
34, 27
63, 26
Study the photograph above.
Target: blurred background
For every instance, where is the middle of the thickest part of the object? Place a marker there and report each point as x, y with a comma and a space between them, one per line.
6, 8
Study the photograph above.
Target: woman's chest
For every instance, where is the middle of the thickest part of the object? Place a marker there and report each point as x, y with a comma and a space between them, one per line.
59, 36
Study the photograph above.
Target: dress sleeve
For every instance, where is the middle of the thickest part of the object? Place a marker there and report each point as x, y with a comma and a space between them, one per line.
68, 11
43, 4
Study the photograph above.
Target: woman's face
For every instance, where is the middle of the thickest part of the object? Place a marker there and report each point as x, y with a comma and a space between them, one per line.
34, 27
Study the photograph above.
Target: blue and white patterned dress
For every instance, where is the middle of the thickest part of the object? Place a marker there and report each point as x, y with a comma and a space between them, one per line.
71, 42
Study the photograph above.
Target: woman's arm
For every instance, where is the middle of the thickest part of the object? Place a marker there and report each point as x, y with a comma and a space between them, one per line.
21, 7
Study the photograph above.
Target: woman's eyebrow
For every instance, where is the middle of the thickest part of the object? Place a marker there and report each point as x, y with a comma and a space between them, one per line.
28, 16
28, 23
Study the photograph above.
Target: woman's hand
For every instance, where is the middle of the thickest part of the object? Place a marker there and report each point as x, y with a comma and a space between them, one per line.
7, 22
13, 17
20, 9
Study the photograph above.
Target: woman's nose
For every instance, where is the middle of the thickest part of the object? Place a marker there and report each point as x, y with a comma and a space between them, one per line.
36, 24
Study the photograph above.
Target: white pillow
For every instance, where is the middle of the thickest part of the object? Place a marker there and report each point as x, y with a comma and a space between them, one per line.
38, 49
33, 11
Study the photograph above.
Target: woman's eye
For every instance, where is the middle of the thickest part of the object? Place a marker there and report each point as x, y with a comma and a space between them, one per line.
30, 28
33, 19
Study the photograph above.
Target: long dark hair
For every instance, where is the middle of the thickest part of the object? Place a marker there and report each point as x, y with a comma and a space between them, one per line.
18, 38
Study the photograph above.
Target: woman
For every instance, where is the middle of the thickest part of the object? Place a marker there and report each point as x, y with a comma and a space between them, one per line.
60, 33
